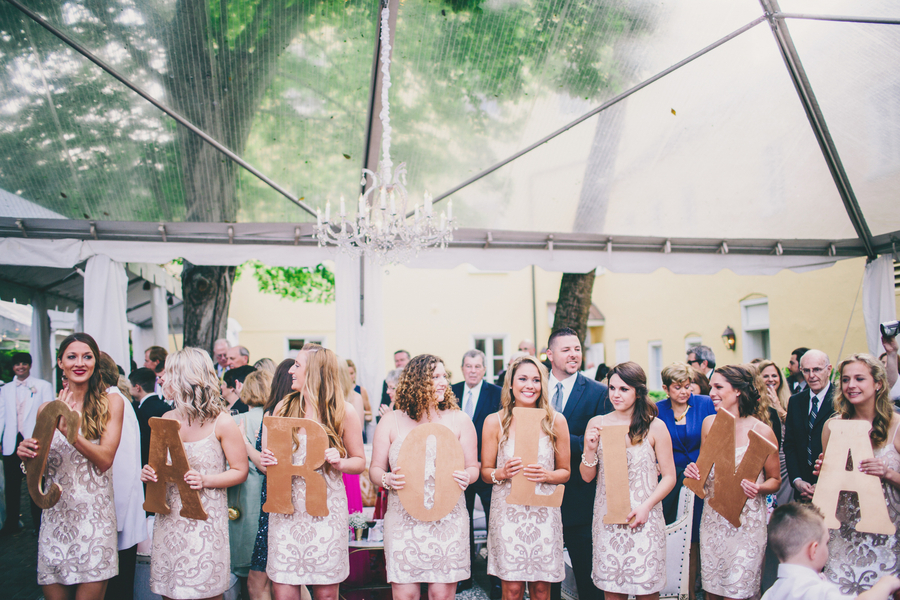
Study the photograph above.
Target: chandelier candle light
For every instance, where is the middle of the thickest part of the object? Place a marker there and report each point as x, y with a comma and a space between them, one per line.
381, 227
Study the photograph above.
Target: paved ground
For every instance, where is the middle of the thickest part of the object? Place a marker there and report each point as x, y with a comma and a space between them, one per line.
18, 561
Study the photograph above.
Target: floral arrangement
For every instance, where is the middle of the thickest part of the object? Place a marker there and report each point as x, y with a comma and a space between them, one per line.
358, 521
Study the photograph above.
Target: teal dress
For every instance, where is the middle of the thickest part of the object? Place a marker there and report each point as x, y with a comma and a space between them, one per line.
246, 499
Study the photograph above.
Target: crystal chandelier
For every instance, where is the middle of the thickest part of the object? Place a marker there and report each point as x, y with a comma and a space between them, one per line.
381, 227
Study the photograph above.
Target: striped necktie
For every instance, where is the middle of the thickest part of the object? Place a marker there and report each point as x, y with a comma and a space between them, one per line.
813, 413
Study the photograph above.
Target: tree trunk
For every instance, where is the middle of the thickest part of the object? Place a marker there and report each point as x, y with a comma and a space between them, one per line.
207, 294
574, 302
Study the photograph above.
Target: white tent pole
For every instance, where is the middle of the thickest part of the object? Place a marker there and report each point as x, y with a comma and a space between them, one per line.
879, 302
41, 342
160, 311
105, 301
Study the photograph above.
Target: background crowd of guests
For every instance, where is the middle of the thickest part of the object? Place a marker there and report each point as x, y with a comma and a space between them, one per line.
89, 538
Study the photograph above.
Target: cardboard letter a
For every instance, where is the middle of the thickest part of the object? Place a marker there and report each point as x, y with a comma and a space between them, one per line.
165, 441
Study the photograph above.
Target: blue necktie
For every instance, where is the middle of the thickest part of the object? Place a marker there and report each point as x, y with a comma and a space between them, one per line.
813, 413
558, 398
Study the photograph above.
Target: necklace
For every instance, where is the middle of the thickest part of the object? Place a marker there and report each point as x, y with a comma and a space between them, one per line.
681, 418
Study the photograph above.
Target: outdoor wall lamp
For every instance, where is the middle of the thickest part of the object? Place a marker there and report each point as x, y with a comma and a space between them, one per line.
729, 338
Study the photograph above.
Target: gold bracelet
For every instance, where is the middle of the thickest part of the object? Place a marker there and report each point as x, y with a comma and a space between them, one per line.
384, 482
494, 479
592, 464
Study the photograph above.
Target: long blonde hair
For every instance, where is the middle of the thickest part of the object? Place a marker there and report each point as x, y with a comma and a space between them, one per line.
508, 402
192, 385
782, 391
323, 389
95, 406
884, 408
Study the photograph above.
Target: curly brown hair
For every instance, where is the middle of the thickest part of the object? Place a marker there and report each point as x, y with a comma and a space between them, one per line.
415, 392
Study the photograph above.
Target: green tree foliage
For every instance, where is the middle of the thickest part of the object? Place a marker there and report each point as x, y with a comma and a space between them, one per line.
294, 283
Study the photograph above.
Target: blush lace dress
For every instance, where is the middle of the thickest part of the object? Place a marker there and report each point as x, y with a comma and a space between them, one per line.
190, 558
525, 543
77, 542
857, 560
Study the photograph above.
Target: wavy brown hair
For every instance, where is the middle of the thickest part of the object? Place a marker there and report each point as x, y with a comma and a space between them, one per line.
763, 412
644, 410
782, 391
281, 385
192, 385
95, 406
508, 402
747, 383
415, 392
322, 388
884, 408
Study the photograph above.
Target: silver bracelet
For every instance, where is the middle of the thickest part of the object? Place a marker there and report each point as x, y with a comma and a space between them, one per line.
384, 482
493, 478
590, 465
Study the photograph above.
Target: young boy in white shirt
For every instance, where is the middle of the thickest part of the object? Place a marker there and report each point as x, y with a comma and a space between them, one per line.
799, 538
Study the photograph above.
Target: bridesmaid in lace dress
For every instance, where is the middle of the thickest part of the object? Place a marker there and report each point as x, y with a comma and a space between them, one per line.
415, 551
731, 558
631, 559
857, 560
307, 550
77, 543
525, 543
191, 558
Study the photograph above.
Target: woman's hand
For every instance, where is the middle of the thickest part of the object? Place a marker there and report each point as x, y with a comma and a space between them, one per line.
512, 468
750, 488
194, 479
397, 480
692, 471
639, 516
462, 478
333, 457
592, 439
873, 466
148, 474
267, 458
817, 466
775, 403
536, 473
28, 448
384, 409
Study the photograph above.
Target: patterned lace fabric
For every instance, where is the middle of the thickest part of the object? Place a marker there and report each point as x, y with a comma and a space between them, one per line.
307, 550
731, 557
857, 560
626, 560
425, 552
77, 540
191, 558
525, 543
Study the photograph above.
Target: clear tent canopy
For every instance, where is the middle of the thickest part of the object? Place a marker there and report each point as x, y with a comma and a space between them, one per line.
661, 125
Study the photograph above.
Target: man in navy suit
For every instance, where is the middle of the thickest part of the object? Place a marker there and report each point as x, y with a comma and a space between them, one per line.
478, 399
146, 405
578, 398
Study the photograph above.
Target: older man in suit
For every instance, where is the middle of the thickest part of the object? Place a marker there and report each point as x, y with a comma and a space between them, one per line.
578, 398
477, 398
806, 415
19, 402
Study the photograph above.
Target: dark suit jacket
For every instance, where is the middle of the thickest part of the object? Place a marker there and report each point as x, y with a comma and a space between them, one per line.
797, 435
153, 406
588, 399
488, 403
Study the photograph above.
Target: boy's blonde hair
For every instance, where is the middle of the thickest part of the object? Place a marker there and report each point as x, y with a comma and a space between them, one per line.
792, 527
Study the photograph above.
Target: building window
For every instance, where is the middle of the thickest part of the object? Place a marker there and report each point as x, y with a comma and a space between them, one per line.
755, 323
623, 351
494, 348
692, 341
293, 345
654, 349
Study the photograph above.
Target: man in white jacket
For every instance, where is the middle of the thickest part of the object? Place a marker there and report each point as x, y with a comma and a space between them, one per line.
19, 402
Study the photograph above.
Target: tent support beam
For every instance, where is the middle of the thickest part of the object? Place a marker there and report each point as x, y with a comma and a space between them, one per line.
598, 110
841, 19
817, 121
146, 96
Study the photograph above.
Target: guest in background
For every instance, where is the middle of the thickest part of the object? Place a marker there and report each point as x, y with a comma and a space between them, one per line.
360, 390
265, 364
478, 399
350, 394
501, 376
147, 404
683, 413
220, 356
154, 356
19, 402
795, 380
401, 359
699, 384
238, 356
703, 360
232, 383
777, 389
390, 384
129, 493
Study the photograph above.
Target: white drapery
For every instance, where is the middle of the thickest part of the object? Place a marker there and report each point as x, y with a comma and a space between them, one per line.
879, 302
41, 344
160, 310
105, 302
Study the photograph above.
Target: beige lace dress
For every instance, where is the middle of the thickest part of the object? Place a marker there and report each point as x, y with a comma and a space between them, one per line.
77, 542
191, 558
525, 543
857, 560
425, 552
307, 550
626, 560
731, 557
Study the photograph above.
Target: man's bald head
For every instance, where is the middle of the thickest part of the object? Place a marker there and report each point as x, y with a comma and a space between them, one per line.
816, 368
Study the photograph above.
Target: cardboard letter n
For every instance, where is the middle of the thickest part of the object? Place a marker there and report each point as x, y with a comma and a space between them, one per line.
165, 442
278, 477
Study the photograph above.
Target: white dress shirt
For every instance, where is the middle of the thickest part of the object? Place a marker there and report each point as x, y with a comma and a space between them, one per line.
568, 383
796, 582
820, 397
129, 493
476, 391
895, 391
19, 401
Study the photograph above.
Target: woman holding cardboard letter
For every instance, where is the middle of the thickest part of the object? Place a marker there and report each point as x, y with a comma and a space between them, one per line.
190, 557
417, 551
77, 544
857, 560
525, 543
306, 549
731, 557
630, 558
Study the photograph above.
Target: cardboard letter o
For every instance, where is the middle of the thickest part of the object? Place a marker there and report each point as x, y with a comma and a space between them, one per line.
43, 433
411, 461
851, 437
280, 476
528, 431
165, 442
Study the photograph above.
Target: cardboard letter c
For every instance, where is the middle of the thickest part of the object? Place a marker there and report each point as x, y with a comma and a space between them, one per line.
43, 433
